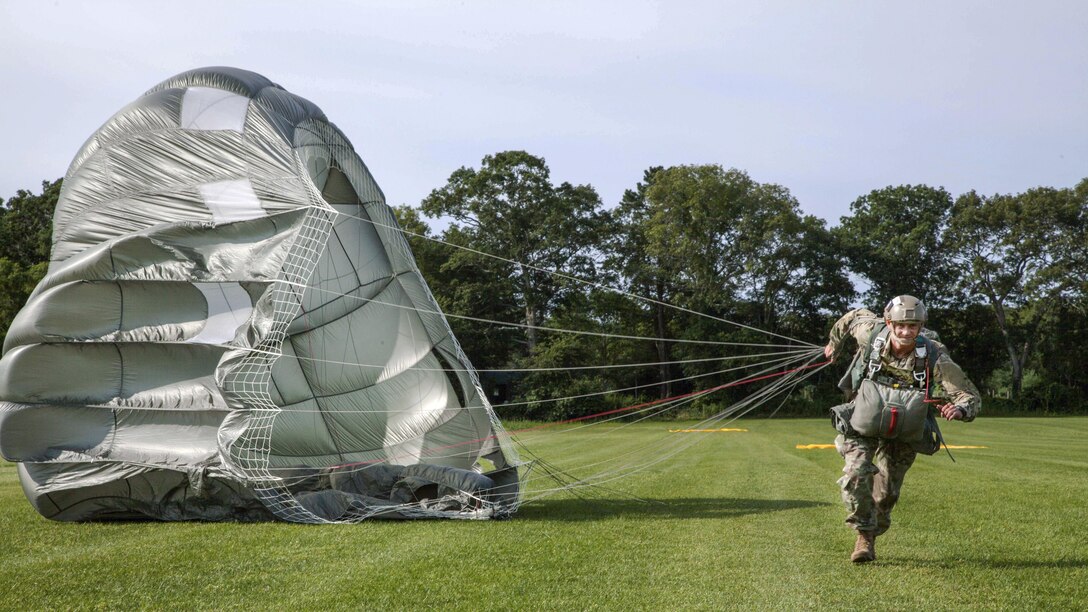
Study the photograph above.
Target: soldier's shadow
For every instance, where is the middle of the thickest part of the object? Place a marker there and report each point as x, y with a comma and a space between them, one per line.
674, 508
960, 563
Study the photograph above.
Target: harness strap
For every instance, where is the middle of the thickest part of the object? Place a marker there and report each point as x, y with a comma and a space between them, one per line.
877, 340
921, 372
940, 439
924, 357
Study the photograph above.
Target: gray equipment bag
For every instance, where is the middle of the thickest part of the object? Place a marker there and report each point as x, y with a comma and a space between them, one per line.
884, 411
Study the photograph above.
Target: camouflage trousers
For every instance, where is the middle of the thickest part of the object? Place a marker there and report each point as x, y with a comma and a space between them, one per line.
873, 476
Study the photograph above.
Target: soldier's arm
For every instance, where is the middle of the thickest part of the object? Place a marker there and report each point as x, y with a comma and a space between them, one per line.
956, 387
857, 324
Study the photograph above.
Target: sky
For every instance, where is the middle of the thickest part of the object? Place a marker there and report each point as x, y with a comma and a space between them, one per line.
828, 99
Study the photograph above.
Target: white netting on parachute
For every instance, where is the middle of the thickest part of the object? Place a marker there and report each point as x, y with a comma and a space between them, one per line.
250, 381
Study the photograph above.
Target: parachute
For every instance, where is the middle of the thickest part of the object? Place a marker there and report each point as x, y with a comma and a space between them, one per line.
232, 328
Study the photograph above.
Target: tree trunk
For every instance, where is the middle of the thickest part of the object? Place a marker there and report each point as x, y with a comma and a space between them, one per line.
530, 332
1015, 359
530, 308
662, 352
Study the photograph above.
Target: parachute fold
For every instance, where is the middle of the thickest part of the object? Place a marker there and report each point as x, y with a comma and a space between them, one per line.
222, 335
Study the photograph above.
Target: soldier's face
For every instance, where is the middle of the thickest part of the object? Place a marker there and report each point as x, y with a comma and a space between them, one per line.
904, 333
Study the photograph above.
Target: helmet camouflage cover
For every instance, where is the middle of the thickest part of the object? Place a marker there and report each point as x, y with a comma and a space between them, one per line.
905, 308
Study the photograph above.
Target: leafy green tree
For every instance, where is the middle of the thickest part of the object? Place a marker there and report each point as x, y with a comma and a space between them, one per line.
791, 274
26, 224
1075, 247
26, 227
1023, 256
893, 239
16, 284
644, 271
510, 208
969, 330
1063, 351
739, 246
714, 241
596, 311
691, 229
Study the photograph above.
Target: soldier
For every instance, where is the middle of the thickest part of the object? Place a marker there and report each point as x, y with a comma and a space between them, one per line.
898, 373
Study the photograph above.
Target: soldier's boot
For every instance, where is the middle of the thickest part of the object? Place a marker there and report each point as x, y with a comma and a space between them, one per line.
864, 548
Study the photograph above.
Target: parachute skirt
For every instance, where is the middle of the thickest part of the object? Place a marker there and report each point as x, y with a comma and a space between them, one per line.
222, 334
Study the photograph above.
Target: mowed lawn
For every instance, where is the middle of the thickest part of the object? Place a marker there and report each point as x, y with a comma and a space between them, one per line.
742, 520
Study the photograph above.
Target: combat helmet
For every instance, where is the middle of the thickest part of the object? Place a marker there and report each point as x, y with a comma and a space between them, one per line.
905, 308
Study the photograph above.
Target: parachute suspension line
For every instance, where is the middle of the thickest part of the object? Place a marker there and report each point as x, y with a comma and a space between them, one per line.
752, 402
649, 411
652, 410
791, 357
589, 283
658, 406
745, 405
779, 361
744, 381
685, 443
556, 329
297, 301
568, 368
783, 390
672, 402
573, 485
548, 369
785, 396
568, 482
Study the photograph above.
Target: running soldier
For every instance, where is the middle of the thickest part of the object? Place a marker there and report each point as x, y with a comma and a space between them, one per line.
900, 378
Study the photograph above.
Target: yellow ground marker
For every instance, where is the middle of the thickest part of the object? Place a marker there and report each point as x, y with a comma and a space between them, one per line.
818, 446
704, 430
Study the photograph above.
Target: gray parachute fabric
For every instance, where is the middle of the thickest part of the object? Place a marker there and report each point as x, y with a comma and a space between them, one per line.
233, 328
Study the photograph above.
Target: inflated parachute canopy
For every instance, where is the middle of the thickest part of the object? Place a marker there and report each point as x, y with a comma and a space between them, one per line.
232, 327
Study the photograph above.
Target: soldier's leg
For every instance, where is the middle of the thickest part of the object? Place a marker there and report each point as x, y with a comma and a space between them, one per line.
893, 459
857, 481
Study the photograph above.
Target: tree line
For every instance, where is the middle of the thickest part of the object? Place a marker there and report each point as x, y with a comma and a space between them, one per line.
1005, 277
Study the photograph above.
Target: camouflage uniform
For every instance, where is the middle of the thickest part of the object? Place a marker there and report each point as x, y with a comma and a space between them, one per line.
875, 467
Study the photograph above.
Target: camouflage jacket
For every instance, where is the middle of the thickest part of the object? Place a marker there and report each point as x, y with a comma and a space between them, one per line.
949, 381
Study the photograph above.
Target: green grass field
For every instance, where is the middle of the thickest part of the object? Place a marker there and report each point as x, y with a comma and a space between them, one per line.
742, 520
